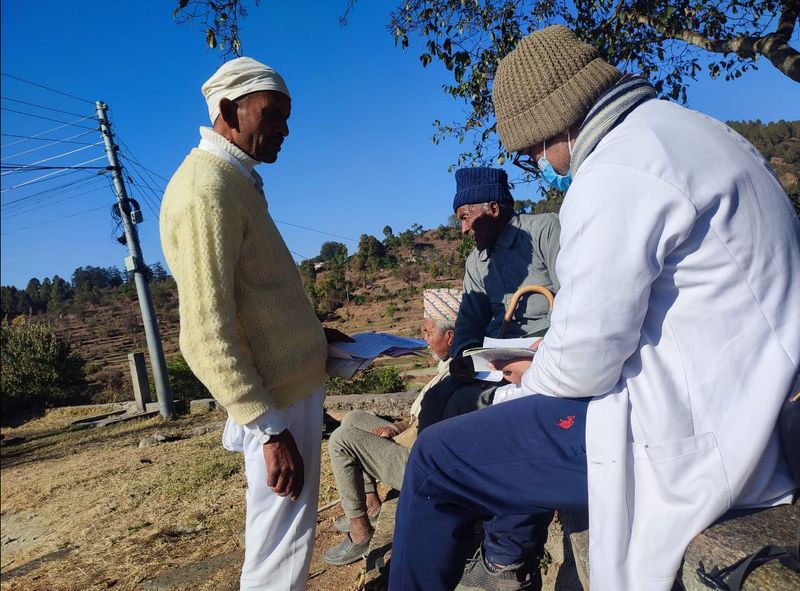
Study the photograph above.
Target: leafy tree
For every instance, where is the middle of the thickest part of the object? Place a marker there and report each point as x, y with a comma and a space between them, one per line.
368, 258
669, 42
158, 273
8, 301
185, 385
38, 368
329, 250
408, 274
387, 232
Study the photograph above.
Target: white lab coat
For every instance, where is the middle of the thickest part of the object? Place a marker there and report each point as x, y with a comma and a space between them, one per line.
679, 310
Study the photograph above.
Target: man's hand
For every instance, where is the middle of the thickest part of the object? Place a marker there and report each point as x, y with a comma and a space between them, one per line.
387, 431
336, 336
284, 465
462, 368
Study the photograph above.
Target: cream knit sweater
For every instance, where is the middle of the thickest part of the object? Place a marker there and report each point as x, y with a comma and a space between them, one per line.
247, 329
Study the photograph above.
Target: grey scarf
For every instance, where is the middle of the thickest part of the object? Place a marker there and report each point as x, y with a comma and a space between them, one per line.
609, 109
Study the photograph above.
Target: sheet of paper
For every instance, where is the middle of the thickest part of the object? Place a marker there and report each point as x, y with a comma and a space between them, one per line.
372, 344
345, 359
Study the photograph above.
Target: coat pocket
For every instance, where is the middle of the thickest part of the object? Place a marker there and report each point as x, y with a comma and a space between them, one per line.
681, 487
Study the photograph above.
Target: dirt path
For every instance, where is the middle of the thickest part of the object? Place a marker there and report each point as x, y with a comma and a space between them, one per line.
90, 510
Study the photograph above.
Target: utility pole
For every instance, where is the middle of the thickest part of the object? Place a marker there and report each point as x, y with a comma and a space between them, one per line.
135, 263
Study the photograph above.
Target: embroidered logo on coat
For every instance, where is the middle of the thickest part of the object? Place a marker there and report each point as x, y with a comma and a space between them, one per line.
567, 423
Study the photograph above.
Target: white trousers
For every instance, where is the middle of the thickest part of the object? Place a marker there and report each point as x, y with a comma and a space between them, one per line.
279, 532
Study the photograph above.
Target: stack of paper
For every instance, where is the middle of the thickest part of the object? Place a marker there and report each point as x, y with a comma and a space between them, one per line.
345, 359
496, 350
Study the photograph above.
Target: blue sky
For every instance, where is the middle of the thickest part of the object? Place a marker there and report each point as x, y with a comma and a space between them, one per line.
359, 155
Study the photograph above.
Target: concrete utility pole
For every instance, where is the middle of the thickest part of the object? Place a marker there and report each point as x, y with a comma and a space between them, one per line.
135, 263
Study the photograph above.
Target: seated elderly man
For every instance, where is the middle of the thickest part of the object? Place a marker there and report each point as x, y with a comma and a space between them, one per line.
366, 449
511, 250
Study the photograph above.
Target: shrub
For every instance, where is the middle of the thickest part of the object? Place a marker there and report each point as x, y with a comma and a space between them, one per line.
39, 369
184, 384
376, 380
391, 309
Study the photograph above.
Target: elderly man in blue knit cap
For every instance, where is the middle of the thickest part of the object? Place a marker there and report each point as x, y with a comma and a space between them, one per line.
510, 251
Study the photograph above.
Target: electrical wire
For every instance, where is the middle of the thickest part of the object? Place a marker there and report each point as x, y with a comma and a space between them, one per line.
6, 98
47, 201
41, 133
58, 156
12, 168
47, 88
52, 143
32, 195
315, 230
133, 159
50, 174
58, 219
50, 118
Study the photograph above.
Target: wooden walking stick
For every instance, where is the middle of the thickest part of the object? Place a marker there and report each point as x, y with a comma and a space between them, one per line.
512, 304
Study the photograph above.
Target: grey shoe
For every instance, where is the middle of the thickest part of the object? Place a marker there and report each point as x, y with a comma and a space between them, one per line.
345, 552
478, 577
343, 523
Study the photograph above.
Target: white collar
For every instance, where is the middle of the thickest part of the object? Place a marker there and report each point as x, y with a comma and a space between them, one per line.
214, 143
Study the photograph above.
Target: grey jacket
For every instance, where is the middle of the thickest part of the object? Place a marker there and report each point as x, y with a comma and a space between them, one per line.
525, 253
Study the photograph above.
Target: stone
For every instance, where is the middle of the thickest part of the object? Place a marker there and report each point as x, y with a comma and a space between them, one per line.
157, 438
567, 546
396, 404
208, 428
738, 535
202, 405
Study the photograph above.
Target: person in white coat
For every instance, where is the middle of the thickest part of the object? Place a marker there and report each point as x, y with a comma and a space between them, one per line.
678, 319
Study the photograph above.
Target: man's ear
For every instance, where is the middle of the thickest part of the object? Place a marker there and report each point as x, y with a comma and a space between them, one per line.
229, 112
494, 209
450, 334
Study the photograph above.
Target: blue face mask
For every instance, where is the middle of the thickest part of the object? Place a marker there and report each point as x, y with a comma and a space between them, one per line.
560, 182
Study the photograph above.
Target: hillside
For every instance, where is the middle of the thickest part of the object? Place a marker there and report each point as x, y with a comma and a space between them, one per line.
100, 315
375, 288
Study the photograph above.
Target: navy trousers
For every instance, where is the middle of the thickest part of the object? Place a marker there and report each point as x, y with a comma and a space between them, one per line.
517, 459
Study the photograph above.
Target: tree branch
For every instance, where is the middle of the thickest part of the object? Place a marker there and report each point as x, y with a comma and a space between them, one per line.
774, 46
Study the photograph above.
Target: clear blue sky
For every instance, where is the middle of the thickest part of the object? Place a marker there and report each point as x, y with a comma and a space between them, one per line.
359, 155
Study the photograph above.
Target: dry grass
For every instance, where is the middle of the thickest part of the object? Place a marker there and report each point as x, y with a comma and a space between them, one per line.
87, 510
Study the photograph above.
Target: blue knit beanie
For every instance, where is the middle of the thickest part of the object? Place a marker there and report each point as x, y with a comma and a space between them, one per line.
481, 185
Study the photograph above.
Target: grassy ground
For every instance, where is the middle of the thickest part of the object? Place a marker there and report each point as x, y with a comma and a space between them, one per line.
89, 509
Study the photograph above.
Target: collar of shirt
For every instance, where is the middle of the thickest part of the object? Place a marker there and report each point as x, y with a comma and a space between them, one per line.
506, 238
214, 143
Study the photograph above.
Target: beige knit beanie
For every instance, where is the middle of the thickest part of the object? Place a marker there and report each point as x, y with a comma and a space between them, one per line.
547, 84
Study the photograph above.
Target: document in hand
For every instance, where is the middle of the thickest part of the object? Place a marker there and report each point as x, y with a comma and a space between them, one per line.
498, 349
345, 359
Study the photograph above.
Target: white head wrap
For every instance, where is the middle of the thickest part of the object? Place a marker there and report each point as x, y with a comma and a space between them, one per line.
237, 78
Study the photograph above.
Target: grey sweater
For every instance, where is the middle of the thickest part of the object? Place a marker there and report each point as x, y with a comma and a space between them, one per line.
525, 253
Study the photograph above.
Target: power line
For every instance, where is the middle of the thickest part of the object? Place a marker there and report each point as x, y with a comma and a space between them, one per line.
51, 140
48, 88
41, 133
67, 153
47, 201
133, 159
58, 219
50, 174
26, 197
13, 100
317, 231
11, 168
49, 118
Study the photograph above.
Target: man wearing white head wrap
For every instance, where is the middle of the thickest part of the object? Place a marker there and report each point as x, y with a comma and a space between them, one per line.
365, 449
239, 77
248, 330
